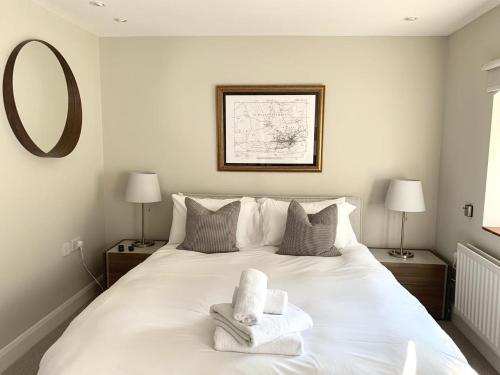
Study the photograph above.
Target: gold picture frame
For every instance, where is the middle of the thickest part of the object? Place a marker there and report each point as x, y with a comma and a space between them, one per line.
270, 128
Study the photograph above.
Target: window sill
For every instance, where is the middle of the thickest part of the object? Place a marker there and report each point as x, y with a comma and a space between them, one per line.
493, 230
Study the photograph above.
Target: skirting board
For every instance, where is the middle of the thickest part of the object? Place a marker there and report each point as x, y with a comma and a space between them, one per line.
474, 338
29, 338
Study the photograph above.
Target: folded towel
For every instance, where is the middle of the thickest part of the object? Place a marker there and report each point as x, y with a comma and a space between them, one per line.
276, 301
270, 327
251, 297
290, 344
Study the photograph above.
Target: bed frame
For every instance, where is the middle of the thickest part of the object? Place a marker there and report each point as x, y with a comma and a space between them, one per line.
355, 217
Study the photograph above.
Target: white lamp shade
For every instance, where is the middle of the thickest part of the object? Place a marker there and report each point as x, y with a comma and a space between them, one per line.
143, 187
405, 195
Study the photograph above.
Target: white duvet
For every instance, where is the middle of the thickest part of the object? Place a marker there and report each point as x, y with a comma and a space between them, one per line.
155, 320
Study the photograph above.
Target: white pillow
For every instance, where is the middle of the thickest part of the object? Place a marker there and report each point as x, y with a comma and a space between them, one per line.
345, 233
274, 213
247, 232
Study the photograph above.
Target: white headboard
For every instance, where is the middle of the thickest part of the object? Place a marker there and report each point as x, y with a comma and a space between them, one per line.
355, 216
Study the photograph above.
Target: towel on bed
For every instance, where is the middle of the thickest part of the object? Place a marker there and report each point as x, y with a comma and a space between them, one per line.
270, 327
276, 301
251, 297
290, 344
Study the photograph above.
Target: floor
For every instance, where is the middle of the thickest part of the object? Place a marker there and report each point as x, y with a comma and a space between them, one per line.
475, 359
28, 364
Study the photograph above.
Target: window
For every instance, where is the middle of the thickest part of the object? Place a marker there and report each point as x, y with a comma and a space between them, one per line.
491, 217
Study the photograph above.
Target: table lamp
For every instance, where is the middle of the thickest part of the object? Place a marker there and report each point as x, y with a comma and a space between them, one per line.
143, 187
404, 196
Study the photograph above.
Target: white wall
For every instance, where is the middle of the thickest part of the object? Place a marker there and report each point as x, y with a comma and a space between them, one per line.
466, 133
383, 115
45, 202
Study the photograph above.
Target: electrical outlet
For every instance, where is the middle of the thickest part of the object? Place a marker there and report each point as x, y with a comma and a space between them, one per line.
66, 249
74, 243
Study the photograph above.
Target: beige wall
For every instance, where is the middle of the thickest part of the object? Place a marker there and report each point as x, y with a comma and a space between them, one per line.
383, 116
45, 202
466, 132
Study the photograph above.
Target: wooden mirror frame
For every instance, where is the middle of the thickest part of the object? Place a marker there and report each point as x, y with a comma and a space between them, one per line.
72, 129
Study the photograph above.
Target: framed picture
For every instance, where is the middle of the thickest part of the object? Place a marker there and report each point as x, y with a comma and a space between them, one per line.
270, 128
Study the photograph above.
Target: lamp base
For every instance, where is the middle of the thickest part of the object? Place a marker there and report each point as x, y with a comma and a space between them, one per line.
146, 243
403, 255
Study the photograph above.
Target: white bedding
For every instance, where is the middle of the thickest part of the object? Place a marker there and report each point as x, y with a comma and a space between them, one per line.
155, 320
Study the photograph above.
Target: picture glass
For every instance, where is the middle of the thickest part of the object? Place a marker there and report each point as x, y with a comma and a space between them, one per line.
270, 129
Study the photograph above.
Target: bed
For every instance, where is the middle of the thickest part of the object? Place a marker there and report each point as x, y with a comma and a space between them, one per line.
155, 320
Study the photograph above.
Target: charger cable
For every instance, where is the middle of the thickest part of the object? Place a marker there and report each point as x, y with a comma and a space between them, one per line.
80, 247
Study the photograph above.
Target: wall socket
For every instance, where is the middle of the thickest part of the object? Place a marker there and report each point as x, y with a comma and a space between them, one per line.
69, 247
66, 249
74, 243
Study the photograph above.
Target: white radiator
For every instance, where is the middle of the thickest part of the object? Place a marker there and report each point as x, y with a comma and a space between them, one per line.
477, 293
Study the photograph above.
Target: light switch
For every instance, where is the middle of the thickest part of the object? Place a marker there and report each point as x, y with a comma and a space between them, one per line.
468, 210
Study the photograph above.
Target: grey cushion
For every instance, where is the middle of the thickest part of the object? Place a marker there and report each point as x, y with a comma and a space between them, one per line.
208, 231
312, 235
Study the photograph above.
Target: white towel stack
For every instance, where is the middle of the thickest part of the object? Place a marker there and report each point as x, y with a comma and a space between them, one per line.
259, 321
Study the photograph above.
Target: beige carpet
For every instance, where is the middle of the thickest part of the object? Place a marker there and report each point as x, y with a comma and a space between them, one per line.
476, 360
28, 364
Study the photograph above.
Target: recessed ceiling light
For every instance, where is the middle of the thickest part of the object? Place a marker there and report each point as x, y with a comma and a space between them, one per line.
97, 3
410, 19
120, 19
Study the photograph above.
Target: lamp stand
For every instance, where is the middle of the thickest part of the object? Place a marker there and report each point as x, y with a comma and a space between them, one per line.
402, 253
143, 242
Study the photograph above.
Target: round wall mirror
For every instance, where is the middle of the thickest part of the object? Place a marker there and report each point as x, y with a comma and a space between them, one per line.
42, 100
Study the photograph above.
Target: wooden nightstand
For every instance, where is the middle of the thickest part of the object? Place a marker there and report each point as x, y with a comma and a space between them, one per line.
424, 276
119, 263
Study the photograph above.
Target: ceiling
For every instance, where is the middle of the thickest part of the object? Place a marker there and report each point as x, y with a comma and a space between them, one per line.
271, 17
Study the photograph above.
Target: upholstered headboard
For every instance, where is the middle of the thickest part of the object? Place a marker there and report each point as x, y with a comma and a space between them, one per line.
355, 216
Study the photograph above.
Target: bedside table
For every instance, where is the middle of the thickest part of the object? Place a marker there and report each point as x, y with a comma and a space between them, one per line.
424, 276
119, 263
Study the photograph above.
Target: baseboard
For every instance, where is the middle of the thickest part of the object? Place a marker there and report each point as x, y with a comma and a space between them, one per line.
26, 340
476, 340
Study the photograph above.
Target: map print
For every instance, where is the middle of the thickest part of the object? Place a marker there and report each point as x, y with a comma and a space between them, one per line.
273, 129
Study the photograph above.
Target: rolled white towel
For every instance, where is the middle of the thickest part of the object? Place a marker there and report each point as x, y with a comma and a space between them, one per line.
251, 297
270, 328
276, 301
290, 344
